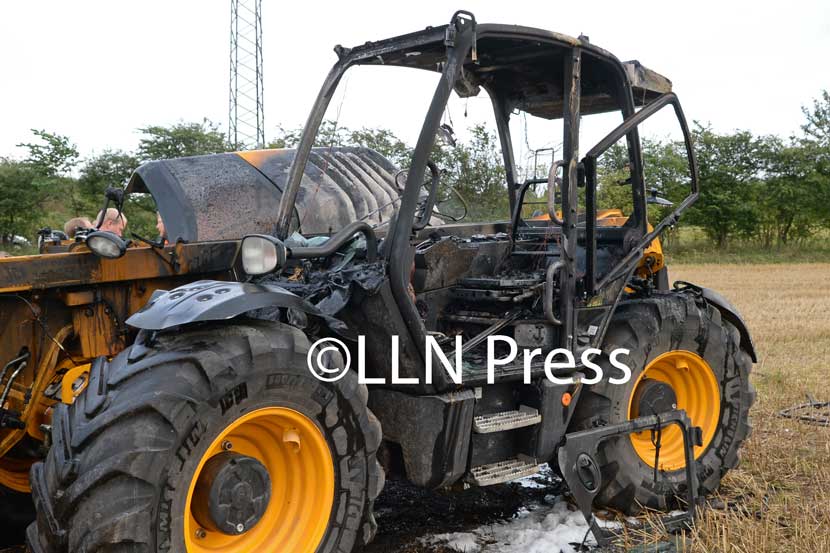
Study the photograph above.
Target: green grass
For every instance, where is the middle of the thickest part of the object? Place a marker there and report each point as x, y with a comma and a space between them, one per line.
689, 245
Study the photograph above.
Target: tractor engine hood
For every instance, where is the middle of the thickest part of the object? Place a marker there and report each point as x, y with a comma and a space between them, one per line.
226, 196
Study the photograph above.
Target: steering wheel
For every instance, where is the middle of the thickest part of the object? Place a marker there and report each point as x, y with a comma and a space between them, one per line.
432, 193
428, 204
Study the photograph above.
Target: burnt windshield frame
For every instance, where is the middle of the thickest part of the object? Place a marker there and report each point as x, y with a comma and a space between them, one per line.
397, 247
502, 116
368, 53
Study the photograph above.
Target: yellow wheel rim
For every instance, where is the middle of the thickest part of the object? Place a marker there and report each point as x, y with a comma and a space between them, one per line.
299, 463
14, 474
696, 389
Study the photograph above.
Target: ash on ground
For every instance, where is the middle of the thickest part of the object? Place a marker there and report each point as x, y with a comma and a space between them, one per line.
530, 513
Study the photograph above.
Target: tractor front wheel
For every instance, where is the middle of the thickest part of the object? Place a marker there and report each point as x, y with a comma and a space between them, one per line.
216, 439
683, 356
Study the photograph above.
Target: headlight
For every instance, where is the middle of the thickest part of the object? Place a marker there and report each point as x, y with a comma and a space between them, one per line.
262, 254
106, 244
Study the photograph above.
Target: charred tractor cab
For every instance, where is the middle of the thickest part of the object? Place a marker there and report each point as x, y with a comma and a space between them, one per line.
255, 415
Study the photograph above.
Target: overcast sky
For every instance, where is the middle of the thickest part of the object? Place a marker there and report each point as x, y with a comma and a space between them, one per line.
98, 70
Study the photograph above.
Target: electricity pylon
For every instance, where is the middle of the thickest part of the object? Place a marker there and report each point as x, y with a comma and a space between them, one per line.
246, 120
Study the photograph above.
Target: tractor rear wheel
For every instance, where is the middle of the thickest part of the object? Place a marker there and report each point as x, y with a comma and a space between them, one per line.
681, 354
214, 439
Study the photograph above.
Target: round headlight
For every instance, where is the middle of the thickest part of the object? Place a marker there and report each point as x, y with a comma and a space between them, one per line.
262, 254
106, 244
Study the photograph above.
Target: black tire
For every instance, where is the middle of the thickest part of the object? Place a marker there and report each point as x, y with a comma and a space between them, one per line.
124, 453
16, 512
648, 328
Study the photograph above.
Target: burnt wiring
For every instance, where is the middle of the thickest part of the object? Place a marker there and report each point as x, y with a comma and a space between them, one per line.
120, 326
157, 247
23, 362
9, 418
656, 441
438, 202
40, 321
463, 202
24, 356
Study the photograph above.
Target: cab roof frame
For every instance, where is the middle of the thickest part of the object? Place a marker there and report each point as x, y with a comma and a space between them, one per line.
515, 61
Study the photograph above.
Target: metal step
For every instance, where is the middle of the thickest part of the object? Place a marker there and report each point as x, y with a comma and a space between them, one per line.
503, 471
506, 420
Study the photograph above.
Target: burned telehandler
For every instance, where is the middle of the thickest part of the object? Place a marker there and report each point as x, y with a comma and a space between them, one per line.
233, 424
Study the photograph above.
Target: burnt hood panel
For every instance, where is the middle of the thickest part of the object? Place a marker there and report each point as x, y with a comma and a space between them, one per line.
226, 196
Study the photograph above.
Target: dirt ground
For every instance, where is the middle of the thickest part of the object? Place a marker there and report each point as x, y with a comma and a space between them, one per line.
777, 500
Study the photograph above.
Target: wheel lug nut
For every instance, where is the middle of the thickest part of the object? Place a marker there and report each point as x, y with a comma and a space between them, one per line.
240, 527
200, 533
227, 445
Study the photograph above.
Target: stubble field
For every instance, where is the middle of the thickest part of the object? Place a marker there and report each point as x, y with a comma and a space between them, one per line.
779, 497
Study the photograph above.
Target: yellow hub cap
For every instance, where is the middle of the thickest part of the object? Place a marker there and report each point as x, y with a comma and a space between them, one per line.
696, 390
301, 470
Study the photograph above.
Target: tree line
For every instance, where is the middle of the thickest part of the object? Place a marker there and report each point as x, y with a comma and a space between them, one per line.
765, 189
53, 183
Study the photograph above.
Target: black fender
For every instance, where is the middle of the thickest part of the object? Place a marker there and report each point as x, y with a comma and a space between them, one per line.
730, 313
211, 300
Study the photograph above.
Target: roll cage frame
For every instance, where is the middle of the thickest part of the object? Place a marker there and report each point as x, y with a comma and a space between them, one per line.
460, 39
